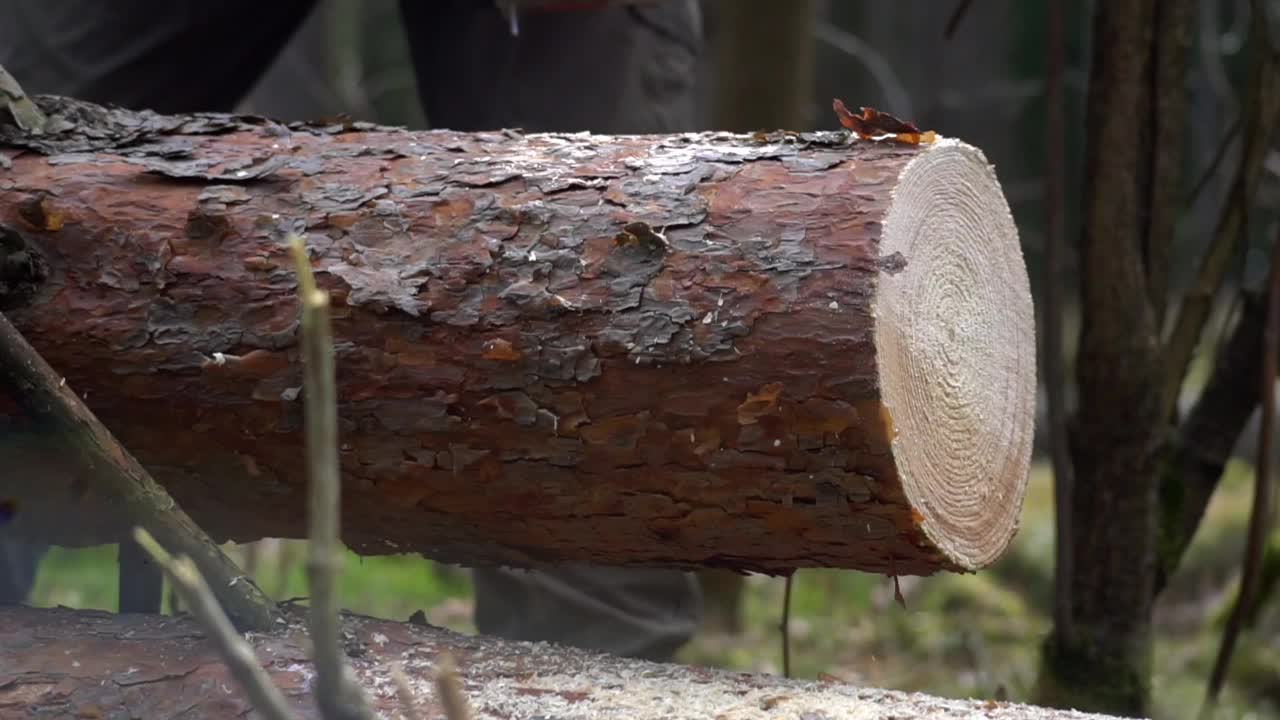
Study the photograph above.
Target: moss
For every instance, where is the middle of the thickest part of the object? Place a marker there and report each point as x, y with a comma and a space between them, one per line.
1090, 675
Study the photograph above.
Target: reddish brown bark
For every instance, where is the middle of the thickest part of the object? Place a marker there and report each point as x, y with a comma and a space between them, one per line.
63, 663
635, 350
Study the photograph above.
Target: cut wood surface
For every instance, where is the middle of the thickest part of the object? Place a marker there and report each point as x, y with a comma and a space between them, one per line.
753, 351
64, 663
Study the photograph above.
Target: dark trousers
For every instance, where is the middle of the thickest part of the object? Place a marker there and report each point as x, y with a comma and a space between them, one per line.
618, 69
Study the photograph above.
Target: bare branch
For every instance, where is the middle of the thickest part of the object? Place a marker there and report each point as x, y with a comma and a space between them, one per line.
1260, 517
337, 694
449, 688
25, 113
404, 691
1206, 438
953, 22
1055, 373
1218, 156
785, 625
1167, 122
881, 70
1211, 49
50, 401
1261, 119
237, 654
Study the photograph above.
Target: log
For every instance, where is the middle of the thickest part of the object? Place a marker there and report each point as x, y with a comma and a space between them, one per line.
759, 352
60, 663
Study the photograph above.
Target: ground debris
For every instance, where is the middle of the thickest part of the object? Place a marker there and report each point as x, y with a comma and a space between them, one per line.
500, 679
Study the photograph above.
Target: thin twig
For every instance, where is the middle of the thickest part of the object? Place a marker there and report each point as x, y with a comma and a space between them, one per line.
404, 691
881, 70
1055, 373
112, 470
1212, 65
1260, 517
449, 688
1166, 119
953, 22
1259, 126
337, 693
1218, 156
785, 625
26, 113
1212, 429
236, 653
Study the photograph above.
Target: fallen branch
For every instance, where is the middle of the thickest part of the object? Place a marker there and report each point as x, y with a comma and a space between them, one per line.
236, 653
116, 478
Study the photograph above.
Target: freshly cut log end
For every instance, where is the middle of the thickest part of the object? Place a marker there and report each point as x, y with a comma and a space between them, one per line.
955, 331
756, 352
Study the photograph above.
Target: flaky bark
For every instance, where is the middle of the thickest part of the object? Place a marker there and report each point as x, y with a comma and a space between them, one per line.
63, 663
692, 350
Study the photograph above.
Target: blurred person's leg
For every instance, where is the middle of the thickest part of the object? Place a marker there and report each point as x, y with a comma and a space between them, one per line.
631, 612
164, 55
19, 562
622, 68
619, 69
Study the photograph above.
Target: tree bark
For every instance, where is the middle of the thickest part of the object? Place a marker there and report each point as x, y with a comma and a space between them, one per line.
1102, 659
64, 663
756, 352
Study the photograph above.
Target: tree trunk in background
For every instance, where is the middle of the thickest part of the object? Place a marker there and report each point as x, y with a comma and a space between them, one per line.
763, 75
1102, 660
763, 64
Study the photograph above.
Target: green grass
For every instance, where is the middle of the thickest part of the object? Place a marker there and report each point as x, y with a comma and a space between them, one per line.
390, 586
960, 635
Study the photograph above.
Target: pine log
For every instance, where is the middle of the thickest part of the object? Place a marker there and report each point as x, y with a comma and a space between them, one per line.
759, 352
62, 663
